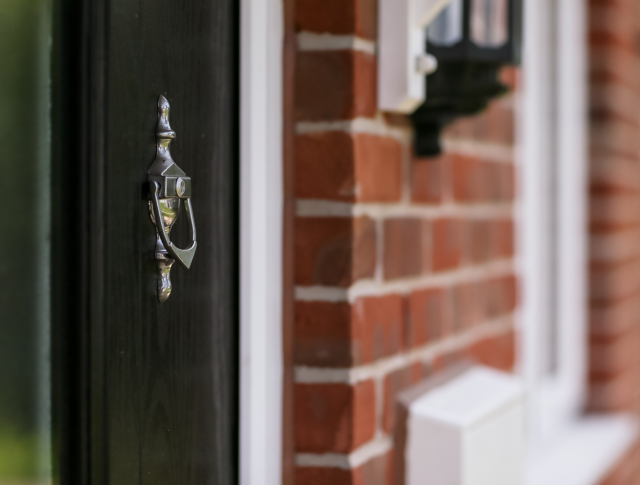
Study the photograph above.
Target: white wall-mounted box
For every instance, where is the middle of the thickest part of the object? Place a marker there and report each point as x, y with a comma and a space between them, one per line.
467, 431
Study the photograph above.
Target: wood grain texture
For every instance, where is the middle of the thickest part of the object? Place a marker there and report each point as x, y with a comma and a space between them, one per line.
171, 369
149, 392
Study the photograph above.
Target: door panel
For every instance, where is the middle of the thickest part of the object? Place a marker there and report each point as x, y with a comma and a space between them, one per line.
162, 378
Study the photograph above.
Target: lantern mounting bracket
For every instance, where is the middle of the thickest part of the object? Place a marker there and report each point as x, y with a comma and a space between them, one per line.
402, 61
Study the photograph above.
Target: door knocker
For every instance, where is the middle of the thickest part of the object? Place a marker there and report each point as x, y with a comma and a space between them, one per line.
168, 187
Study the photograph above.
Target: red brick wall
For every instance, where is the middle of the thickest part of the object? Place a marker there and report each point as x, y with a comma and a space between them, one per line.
615, 205
402, 265
614, 364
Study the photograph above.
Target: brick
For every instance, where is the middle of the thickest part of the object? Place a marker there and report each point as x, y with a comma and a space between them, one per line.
378, 162
614, 394
446, 244
427, 246
619, 64
613, 211
611, 100
467, 306
334, 417
323, 476
420, 370
324, 166
478, 239
323, 334
502, 238
402, 248
364, 248
612, 40
613, 25
341, 335
467, 186
496, 351
475, 180
423, 370
499, 296
614, 136
448, 359
615, 246
393, 384
506, 179
509, 75
378, 327
398, 120
339, 17
614, 281
614, 317
344, 167
612, 173
614, 183
494, 125
429, 316
323, 251
335, 85
611, 355
427, 179
334, 251
376, 471
469, 182
462, 127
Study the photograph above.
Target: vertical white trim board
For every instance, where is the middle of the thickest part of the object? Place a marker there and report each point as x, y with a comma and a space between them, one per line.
261, 202
552, 214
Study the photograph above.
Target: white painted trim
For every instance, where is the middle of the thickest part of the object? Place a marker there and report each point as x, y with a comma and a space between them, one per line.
585, 452
554, 400
402, 40
261, 204
573, 189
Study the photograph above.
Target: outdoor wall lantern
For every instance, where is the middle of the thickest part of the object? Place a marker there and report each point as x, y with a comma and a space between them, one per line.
471, 40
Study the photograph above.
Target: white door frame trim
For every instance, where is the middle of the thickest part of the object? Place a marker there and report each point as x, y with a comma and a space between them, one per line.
261, 205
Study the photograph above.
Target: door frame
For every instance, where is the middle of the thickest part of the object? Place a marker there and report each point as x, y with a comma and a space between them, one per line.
262, 205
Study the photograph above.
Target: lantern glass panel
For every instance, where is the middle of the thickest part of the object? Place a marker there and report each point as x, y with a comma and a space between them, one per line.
446, 29
490, 23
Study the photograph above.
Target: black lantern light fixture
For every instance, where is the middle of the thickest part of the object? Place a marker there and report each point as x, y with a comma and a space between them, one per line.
472, 40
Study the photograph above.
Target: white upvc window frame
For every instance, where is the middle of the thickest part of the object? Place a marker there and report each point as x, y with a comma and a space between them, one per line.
565, 447
553, 257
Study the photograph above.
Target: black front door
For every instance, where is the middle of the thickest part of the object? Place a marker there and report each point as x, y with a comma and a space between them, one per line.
147, 391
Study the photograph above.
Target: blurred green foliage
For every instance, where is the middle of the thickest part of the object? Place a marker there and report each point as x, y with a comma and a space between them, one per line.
17, 452
24, 168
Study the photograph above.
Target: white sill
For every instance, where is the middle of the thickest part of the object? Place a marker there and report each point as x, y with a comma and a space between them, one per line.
585, 453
